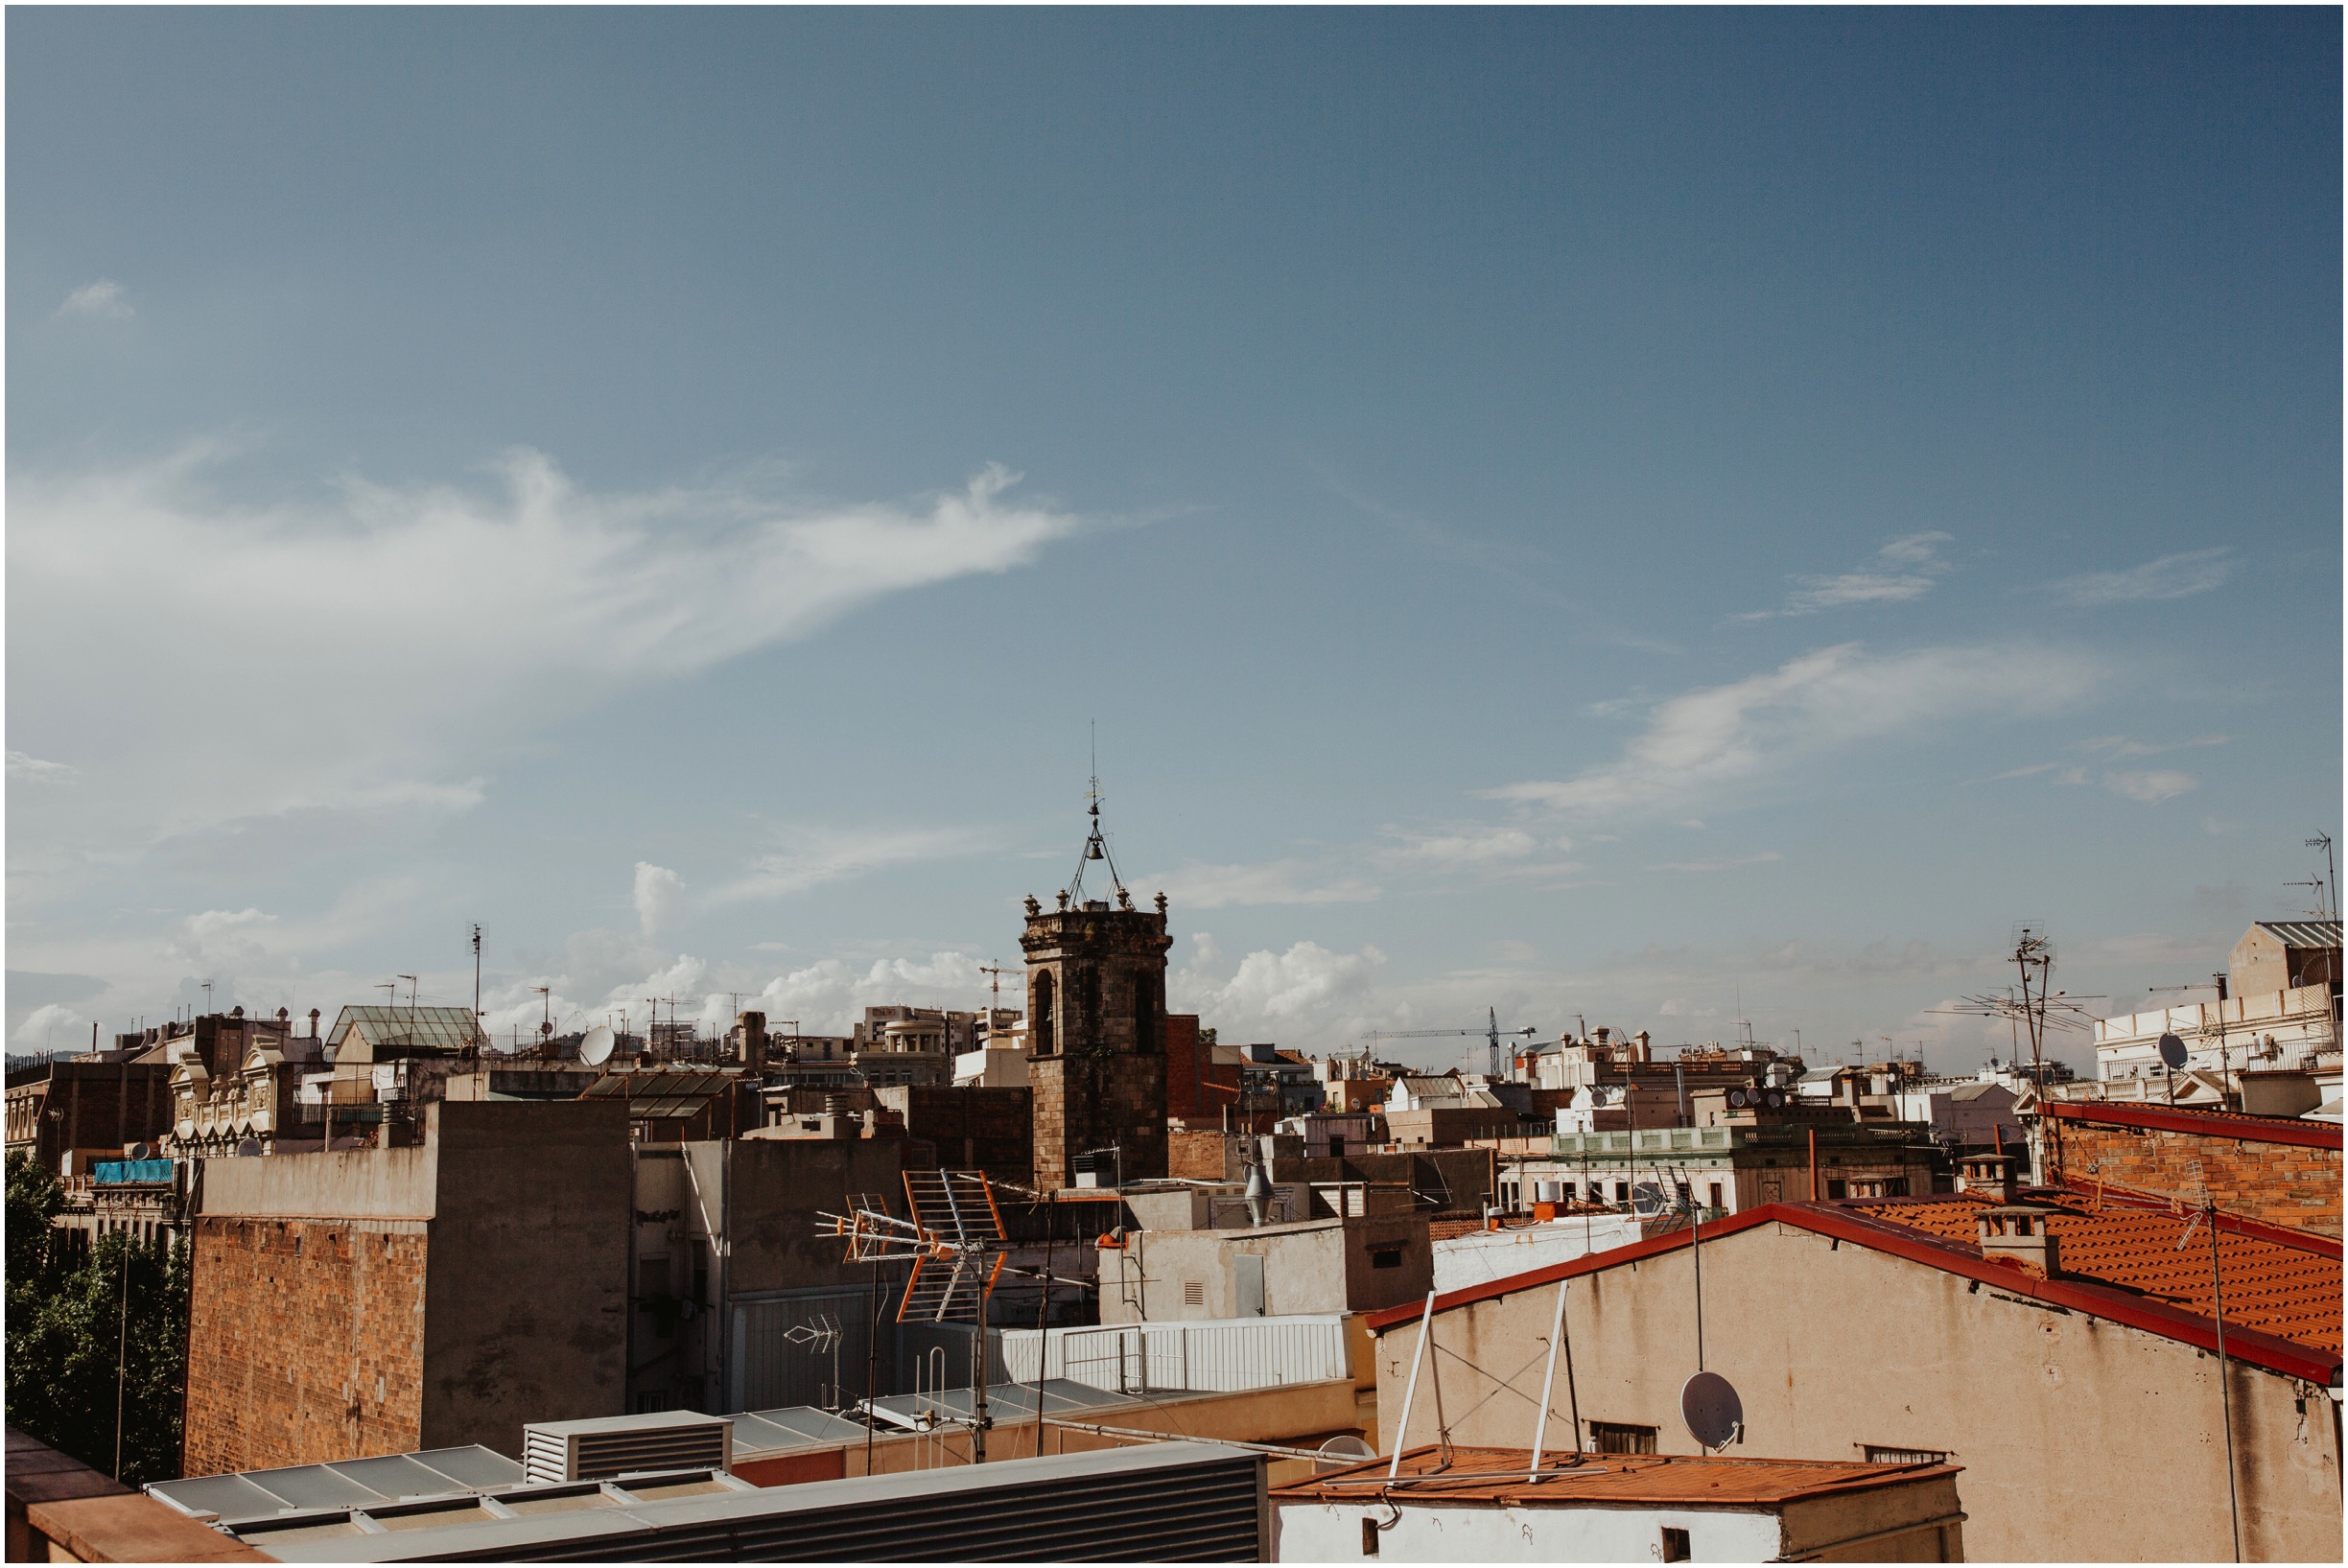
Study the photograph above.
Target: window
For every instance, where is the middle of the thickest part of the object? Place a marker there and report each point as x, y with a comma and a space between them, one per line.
1622, 1192
1615, 1437
1044, 1012
1715, 1200
1876, 1454
1386, 1258
1676, 1547
1337, 1146
1836, 1189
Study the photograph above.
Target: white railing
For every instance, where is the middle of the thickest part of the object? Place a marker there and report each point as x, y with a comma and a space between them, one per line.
1224, 1355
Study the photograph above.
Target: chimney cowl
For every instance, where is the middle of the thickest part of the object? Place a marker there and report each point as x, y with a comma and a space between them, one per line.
2017, 1233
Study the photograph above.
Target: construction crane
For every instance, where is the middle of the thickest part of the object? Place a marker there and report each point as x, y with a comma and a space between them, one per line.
1492, 1032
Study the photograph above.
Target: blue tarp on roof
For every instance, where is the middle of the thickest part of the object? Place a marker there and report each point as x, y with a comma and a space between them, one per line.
108, 1171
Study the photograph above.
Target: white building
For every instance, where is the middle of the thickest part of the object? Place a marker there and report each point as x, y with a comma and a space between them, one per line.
1481, 1505
2279, 1013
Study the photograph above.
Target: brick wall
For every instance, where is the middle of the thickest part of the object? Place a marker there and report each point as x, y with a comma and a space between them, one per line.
970, 1128
305, 1341
2278, 1183
1200, 1156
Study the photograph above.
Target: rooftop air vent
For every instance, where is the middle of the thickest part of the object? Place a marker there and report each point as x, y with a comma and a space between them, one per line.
610, 1445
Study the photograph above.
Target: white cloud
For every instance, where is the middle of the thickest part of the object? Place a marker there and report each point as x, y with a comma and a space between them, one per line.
54, 1027
102, 300
33, 770
1903, 569
1476, 845
1274, 881
1303, 987
655, 896
2151, 787
2170, 577
401, 641
1717, 736
2119, 745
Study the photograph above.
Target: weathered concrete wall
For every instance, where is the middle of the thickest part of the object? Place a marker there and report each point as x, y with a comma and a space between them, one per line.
305, 1338
527, 1296
356, 1185
2081, 1440
2278, 1182
772, 1191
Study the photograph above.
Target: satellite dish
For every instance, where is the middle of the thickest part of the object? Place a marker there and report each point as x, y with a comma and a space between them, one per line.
1339, 1452
1647, 1199
250, 1149
1777, 1098
141, 1151
1737, 1098
1711, 1409
2173, 1051
596, 1048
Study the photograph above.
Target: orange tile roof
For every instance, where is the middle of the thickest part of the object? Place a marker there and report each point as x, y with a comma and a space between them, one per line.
2292, 1292
1497, 1475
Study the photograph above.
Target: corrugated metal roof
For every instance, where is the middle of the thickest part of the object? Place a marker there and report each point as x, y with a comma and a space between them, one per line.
792, 1426
436, 1028
2304, 933
661, 1093
357, 1483
2290, 1292
1497, 1476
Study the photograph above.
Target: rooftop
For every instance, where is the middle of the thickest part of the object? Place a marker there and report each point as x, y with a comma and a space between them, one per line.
1498, 1476
658, 1094
428, 1028
2208, 1122
2304, 933
2289, 1289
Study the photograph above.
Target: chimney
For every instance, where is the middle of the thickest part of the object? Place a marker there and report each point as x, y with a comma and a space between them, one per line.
2017, 1233
753, 1027
1992, 1176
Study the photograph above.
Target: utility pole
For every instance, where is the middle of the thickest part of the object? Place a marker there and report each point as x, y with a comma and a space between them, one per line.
477, 978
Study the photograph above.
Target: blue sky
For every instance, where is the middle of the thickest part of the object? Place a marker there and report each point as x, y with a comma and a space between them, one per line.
1618, 516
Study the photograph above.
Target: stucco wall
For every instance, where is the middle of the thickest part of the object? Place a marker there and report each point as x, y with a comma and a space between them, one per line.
1313, 1267
2080, 1438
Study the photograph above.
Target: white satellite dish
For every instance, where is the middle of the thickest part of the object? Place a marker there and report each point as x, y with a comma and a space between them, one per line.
2173, 1051
1711, 1410
596, 1048
1339, 1452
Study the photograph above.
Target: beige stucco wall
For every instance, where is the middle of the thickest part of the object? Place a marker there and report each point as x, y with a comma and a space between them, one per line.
2080, 1439
1310, 1267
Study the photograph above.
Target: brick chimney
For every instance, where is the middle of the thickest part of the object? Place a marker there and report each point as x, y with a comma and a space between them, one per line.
1992, 1176
2017, 1233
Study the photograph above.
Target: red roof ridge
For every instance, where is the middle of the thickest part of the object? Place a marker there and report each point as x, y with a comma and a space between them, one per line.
2234, 1124
2314, 1362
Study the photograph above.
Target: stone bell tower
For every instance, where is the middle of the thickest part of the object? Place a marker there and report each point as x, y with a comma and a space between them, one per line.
1097, 1028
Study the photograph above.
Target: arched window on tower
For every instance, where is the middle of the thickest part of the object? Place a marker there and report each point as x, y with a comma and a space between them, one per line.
1043, 1030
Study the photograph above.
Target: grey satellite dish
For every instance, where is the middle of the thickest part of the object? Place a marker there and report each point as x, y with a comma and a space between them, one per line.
250, 1149
1777, 1098
1647, 1199
141, 1151
1711, 1409
1736, 1098
2173, 1051
596, 1048
1339, 1452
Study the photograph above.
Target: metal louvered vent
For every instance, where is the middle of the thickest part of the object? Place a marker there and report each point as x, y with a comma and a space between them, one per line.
668, 1440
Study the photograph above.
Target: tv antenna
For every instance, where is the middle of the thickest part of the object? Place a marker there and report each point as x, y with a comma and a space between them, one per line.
2326, 894
956, 1243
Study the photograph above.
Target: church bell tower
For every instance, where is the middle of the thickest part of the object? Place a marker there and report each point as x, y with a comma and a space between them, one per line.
1096, 1027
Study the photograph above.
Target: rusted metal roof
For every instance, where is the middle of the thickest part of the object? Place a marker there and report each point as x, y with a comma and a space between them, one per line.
1498, 1476
661, 1093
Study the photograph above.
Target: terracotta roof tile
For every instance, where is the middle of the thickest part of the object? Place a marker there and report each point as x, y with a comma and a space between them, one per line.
2288, 1291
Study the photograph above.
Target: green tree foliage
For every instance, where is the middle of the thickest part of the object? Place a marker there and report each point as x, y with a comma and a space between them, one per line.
75, 1314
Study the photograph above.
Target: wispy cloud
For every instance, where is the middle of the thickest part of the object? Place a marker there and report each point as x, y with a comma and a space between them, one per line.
33, 770
1730, 864
102, 300
2170, 576
413, 636
2119, 745
1269, 883
812, 856
1722, 736
2151, 787
1903, 569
